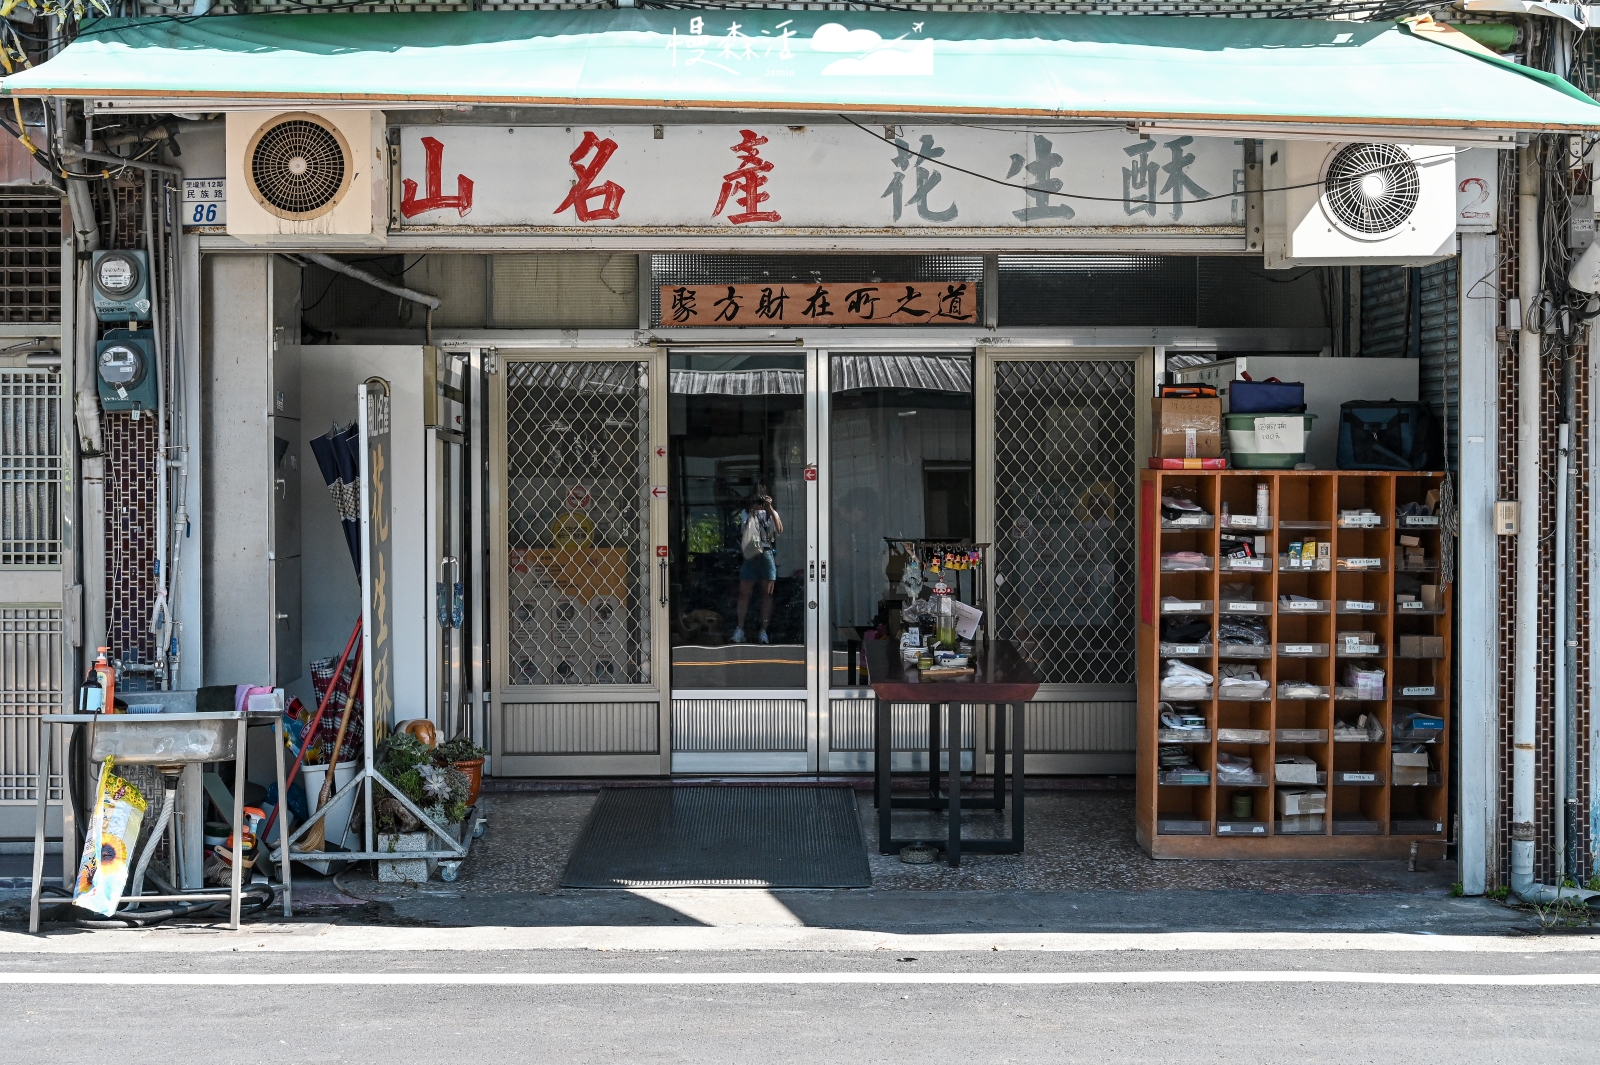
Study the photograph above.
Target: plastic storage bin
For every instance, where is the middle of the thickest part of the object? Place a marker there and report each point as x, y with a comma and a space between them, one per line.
1242, 443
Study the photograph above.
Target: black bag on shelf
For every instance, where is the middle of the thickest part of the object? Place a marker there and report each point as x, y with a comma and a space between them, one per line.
1389, 434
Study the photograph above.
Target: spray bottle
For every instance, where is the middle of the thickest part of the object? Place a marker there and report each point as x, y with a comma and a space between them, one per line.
106, 673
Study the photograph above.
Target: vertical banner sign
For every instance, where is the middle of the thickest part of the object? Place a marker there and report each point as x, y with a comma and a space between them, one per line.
377, 561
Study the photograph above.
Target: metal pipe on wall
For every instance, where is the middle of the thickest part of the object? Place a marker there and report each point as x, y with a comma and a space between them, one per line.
86, 412
158, 608
1525, 663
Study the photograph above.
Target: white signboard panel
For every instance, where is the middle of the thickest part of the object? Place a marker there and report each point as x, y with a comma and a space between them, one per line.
1477, 189
782, 178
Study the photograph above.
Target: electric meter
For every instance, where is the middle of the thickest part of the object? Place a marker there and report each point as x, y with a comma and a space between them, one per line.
125, 371
121, 286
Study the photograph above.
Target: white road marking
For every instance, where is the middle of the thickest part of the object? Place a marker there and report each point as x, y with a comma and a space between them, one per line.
1222, 976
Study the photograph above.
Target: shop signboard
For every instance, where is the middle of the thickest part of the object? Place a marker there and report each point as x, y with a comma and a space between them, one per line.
377, 558
839, 175
817, 303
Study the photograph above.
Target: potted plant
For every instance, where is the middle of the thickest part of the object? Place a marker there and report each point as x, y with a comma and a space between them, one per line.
467, 757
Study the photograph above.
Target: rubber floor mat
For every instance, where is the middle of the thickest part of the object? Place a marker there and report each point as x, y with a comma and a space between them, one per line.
729, 836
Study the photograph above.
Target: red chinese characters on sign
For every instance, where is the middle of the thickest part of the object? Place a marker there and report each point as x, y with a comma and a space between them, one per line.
747, 182
945, 303
433, 198
584, 191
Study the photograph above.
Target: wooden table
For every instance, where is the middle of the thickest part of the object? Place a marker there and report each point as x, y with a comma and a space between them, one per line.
1002, 679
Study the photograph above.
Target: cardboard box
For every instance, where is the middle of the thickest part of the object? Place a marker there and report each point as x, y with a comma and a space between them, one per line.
1301, 824
1295, 769
1186, 428
1421, 647
1299, 803
1430, 596
1409, 776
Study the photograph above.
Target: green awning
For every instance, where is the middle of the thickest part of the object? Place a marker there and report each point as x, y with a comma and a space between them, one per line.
1094, 67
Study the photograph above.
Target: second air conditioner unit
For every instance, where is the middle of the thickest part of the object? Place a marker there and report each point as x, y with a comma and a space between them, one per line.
307, 177
1330, 203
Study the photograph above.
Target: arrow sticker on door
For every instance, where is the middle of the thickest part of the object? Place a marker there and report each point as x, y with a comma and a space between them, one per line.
658, 491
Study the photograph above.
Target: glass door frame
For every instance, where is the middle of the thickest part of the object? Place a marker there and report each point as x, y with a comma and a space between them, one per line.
776, 762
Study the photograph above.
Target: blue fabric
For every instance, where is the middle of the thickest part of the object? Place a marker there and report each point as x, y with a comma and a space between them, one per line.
1266, 397
764, 567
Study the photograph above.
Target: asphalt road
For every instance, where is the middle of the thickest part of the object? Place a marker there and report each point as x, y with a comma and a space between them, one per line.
579, 1006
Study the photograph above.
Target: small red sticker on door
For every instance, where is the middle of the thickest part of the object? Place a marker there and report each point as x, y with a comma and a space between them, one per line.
811, 473
661, 550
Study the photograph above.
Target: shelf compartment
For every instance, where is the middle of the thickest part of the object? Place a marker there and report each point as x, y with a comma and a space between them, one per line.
1185, 650
1361, 607
1244, 650
1245, 606
1298, 692
1357, 827
1259, 564
1183, 735
1244, 735
1176, 826
1170, 607
1241, 828
1364, 778
1417, 828
1303, 607
1302, 735
1250, 522
1202, 564
1185, 778
1302, 650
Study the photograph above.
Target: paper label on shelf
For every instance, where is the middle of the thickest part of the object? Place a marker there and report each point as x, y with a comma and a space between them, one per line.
1302, 604
1243, 521
1362, 563
1360, 778
1359, 604
1170, 607
1188, 519
1281, 436
1357, 521
1185, 648
1420, 690
1243, 607
1241, 830
1298, 649
1420, 521
1248, 563
1415, 604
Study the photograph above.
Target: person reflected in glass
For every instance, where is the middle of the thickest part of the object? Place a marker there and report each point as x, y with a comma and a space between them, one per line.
759, 529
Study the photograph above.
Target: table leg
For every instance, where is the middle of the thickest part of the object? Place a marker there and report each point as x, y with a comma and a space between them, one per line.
1019, 730
953, 788
42, 782
236, 876
1000, 710
283, 817
933, 749
883, 750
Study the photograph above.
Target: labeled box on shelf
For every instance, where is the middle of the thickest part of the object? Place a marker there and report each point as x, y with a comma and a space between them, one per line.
1298, 802
1187, 428
1296, 769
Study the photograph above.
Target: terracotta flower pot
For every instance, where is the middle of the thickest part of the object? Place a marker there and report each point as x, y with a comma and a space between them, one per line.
473, 768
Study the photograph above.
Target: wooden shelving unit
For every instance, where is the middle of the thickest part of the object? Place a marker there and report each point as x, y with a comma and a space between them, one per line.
1368, 814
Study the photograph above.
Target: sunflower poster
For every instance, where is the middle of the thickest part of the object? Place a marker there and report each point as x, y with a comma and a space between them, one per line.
113, 832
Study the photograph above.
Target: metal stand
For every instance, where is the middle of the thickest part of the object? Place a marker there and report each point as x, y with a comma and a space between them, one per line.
950, 799
243, 718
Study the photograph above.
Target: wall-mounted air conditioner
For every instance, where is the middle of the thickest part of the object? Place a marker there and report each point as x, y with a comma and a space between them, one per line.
1358, 204
307, 177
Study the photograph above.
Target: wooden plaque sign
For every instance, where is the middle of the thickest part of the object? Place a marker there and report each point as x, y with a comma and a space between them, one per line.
809, 303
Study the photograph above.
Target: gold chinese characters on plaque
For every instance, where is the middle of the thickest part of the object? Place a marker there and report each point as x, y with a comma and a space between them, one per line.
809, 303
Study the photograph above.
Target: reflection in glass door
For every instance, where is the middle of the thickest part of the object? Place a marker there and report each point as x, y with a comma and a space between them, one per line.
741, 570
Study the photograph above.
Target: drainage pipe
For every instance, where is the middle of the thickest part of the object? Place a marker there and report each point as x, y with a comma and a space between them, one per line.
1526, 625
329, 262
86, 412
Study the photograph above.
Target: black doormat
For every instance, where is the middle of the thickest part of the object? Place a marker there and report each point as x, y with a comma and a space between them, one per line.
731, 836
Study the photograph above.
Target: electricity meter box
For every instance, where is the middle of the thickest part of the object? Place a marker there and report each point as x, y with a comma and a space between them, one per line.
125, 368
121, 286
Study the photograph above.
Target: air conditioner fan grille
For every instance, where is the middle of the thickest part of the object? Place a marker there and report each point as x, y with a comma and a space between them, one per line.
1372, 189
298, 167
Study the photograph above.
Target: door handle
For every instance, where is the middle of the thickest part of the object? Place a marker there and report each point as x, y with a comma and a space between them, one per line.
282, 487
813, 569
663, 581
824, 571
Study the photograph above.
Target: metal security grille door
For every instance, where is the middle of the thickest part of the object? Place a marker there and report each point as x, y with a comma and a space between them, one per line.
579, 689
30, 469
1062, 514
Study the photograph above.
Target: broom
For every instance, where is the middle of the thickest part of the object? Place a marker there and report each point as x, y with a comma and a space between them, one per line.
311, 730
316, 837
